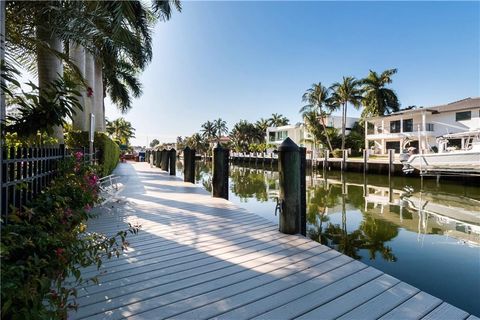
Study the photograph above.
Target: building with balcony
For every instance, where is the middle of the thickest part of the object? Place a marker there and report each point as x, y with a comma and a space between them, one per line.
298, 133
420, 127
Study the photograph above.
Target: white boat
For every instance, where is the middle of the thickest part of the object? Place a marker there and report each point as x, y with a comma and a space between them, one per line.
465, 161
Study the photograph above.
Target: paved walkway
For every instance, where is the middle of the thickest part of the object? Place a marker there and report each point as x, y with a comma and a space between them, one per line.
197, 257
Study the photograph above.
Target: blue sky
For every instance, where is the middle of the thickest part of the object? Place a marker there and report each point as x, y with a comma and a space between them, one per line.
246, 60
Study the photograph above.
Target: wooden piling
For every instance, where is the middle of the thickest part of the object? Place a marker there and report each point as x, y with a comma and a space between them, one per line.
189, 165
173, 161
220, 172
289, 197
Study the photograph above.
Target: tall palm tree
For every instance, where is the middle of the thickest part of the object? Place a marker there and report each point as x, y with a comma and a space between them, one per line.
345, 92
220, 127
319, 101
278, 120
378, 99
209, 131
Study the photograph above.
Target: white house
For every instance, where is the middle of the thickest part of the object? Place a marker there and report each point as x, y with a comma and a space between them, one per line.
300, 134
420, 127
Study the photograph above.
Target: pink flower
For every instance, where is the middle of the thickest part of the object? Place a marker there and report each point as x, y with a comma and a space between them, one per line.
87, 207
78, 155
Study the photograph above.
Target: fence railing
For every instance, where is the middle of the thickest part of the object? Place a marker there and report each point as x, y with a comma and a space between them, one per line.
27, 171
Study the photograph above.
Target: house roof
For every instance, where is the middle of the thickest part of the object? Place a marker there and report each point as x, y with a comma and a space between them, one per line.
459, 105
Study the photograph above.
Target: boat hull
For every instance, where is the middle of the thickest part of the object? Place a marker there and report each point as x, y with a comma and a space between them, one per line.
455, 162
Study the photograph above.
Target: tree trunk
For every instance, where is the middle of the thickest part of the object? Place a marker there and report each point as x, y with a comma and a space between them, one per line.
98, 109
344, 114
49, 66
90, 79
81, 118
322, 120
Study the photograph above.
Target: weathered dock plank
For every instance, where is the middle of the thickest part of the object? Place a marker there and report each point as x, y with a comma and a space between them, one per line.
198, 257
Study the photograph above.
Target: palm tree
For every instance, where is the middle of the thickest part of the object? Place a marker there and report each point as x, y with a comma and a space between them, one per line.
319, 101
348, 91
120, 130
278, 120
220, 127
378, 99
209, 131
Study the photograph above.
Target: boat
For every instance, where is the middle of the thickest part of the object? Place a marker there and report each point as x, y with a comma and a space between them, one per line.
448, 160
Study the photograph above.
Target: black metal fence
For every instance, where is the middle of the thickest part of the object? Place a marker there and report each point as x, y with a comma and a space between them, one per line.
27, 171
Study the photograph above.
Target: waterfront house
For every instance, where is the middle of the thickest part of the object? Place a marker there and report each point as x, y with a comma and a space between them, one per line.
420, 127
299, 132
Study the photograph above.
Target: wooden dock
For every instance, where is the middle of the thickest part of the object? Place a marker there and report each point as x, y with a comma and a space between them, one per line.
198, 257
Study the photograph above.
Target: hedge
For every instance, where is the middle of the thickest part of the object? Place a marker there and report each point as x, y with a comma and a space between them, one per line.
109, 150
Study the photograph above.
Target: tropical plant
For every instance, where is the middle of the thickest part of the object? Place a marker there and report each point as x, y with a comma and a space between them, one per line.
209, 131
345, 92
379, 100
220, 127
278, 120
121, 130
319, 102
154, 142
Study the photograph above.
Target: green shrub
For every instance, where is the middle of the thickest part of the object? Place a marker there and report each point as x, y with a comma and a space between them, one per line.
109, 150
46, 243
337, 153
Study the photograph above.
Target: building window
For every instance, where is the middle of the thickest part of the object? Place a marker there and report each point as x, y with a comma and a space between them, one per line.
408, 125
429, 127
395, 126
282, 135
462, 116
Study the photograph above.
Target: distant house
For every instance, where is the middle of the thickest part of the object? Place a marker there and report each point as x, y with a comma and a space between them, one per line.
300, 134
420, 127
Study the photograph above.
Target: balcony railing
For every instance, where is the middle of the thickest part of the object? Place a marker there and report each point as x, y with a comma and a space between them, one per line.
429, 127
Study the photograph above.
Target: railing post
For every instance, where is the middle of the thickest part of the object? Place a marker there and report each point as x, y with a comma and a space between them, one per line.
173, 161
289, 197
220, 172
189, 165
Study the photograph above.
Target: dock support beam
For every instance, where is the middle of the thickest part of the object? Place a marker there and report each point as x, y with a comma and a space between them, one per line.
290, 203
165, 160
365, 161
303, 191
220, 172
344, 159
189, 165
172, 154
325, 160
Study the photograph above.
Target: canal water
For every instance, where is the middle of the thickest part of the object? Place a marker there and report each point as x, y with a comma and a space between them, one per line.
425, 233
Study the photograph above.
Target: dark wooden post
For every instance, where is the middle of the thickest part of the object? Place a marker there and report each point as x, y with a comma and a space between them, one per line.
289, 197
189, 165
303, 191
165, 160
173, 161
220, 172
158, 158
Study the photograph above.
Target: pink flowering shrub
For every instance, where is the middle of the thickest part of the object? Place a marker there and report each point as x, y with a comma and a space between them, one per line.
45, 243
